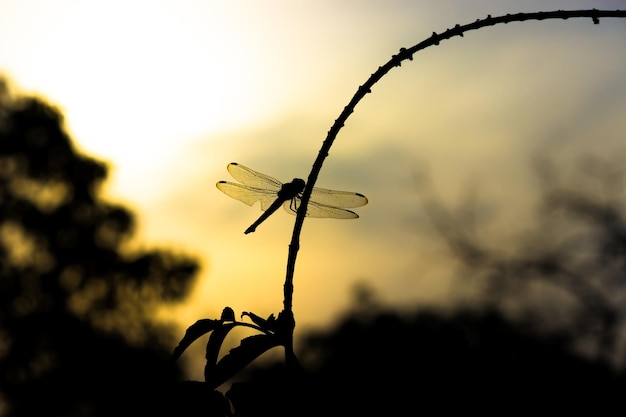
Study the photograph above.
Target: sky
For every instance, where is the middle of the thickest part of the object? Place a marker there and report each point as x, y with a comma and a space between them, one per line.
169, 92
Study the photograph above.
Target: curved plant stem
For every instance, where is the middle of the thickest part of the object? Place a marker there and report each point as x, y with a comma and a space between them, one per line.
395, 61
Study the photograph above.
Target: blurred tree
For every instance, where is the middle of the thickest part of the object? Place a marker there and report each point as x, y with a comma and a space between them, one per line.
567, 272
77, 329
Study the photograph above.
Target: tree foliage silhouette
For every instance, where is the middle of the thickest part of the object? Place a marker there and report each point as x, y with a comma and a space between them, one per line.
77, 329
377, 360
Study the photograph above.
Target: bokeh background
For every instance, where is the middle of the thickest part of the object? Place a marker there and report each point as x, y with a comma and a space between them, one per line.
167, 93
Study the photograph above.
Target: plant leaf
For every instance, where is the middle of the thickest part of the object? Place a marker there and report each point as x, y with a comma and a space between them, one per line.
265, 324
250, 348
193, 332
215, 344
228, 314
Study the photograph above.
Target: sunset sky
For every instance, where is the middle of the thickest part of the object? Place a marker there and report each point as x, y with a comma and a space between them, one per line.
169, 92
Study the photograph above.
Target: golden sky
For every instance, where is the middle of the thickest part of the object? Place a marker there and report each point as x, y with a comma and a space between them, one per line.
169, 92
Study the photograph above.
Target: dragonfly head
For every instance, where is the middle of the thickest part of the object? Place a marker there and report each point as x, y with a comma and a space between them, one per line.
298, 183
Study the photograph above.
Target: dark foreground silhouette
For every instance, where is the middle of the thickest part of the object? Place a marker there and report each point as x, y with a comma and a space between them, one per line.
386, 363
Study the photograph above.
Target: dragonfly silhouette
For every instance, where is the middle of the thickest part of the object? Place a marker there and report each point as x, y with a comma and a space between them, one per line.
272, 194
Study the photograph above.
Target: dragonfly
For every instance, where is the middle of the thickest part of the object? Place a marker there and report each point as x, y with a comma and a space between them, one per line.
255, 187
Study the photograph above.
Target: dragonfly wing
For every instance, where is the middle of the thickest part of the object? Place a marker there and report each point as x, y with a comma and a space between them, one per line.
253, 178
345, 199
248, 195
319, 210
256, 186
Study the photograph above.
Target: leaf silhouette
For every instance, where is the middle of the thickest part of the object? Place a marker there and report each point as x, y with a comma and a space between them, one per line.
250, 348
228, 314
215, 344
265, 324
193, 332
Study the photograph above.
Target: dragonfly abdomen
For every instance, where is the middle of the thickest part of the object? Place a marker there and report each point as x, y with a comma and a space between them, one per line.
270, 210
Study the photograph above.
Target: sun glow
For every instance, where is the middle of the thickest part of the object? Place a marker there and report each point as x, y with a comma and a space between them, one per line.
134, 79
